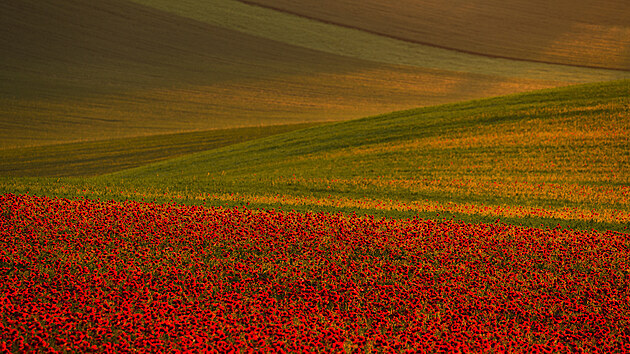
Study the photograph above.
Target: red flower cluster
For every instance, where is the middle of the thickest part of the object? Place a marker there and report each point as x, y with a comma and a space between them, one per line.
82, 275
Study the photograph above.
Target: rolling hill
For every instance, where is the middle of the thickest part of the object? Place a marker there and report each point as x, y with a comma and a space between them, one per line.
583, 32
555, 156
107, 69
356, 43
213, 175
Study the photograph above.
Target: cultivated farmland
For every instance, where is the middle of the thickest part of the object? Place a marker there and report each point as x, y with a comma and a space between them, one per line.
97, 276
92, 158
271, 176
75, 71
555, 156
402, 238
586, 33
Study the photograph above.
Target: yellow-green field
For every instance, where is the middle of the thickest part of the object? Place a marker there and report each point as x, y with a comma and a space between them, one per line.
325, 37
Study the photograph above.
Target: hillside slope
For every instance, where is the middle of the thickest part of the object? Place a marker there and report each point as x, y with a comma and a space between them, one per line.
307, 33
525, 155
76, 70
584, 32
92, 158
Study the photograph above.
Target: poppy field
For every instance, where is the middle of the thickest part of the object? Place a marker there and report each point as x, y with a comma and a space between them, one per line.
85, 275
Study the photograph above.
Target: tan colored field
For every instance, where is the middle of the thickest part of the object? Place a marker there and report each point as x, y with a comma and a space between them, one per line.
80, 71
76, 71
576, 32
325, 37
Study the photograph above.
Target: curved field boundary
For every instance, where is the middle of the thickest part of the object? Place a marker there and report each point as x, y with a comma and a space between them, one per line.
105, 69
580, 33
330, 38
548, 157
93, 158
563, 150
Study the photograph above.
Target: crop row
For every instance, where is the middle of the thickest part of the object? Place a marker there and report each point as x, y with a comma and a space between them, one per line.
81, 275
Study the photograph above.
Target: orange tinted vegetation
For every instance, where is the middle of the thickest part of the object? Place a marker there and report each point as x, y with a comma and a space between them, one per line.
565, 213
612, 216
582, 32
572, 193
579, 145
553, 154
308, 98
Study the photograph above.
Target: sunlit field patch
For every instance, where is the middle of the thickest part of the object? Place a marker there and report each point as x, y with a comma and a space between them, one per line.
80, 275
611, 216
569, 193
608, 216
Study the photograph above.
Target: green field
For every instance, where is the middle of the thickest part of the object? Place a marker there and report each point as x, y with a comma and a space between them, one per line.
549, 157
